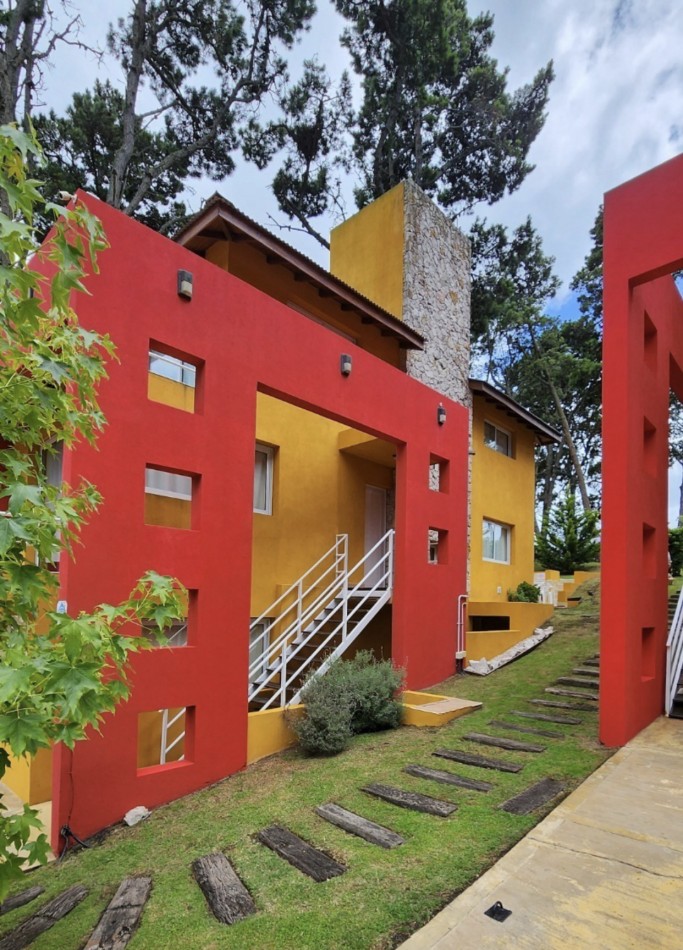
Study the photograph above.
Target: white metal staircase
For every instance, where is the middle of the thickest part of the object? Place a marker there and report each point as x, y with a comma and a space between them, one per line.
673, 703
316, 619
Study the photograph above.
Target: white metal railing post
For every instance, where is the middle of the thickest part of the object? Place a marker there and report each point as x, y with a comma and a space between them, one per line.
390, 545
674, 656
164, 736
283, 675
299, 606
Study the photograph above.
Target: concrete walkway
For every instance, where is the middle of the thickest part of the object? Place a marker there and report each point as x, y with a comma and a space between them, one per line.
603, 870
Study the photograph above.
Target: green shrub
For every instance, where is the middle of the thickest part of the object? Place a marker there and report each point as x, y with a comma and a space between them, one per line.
526, 593
676, 550
569, 538
325, 727
352, 696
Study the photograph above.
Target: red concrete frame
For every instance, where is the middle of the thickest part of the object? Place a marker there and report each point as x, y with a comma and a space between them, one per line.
247, 342
642, 361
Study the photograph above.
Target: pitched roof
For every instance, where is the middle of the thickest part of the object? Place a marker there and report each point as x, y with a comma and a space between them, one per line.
544, 433
219, 219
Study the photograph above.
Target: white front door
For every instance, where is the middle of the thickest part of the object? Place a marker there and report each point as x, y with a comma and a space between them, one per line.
375, 529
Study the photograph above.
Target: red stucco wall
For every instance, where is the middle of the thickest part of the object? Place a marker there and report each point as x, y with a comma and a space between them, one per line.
247, 341
642, 360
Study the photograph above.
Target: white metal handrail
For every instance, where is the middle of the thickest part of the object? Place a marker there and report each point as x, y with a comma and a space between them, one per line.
331, 578
166, 725
347, 615
674, 656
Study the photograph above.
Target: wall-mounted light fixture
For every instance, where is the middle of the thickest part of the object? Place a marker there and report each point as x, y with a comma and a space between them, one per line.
185, 284
345, 364
440, 415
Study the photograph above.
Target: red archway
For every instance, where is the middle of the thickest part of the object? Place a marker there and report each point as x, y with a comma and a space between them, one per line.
642, 361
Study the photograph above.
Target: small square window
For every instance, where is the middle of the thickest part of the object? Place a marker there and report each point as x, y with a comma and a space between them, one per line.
172, 379
438, 474
168, 498
497, 439
263, 479
165, 736
436, 546
496, 542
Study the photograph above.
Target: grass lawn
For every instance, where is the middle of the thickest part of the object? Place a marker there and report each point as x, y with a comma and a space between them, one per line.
384, 895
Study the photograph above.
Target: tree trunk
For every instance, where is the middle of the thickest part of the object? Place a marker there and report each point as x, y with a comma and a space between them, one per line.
124, 154
564, 424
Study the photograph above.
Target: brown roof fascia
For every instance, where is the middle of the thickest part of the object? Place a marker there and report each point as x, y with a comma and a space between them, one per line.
544, 433
220, 216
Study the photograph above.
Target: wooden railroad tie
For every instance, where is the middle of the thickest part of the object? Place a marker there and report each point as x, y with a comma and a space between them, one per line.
405, 799
225, 893
359, 826
468, 758
122, 915
301, 855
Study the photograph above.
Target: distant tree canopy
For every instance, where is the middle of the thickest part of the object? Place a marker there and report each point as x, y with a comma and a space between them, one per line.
435, 104
142, 145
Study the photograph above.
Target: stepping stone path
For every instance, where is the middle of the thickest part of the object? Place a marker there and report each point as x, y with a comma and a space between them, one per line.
467, 758
20, 899
120, 920
513, 727
301, 855
447, 778
533, 797
405, 799
546, 717
361, 827
225, 893
48, 915
558, 704
512, 745
580, 681
574, 693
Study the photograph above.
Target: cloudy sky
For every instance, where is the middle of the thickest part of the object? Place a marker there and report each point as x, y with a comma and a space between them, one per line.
615, 106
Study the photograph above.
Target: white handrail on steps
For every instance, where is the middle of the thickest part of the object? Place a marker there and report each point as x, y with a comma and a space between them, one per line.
346, 612
674, 656
166, 725
332, 571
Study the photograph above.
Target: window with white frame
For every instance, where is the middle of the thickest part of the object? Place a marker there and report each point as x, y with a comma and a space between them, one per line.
169, 484
170, 367
263, 479
497, 439
496, 542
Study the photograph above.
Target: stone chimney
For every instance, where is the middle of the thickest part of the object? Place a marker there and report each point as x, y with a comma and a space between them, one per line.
405, 255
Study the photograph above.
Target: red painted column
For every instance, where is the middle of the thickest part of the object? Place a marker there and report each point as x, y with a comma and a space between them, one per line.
642, 319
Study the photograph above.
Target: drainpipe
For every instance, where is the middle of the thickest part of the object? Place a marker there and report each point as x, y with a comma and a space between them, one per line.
460, 651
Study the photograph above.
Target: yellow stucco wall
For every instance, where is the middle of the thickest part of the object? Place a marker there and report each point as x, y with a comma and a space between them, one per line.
318, 492
502, 491
31, 779
170, 393
170, 512
270, 731
354, 246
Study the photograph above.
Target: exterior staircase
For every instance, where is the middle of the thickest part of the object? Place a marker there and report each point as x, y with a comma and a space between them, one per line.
316, 620
674, 659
